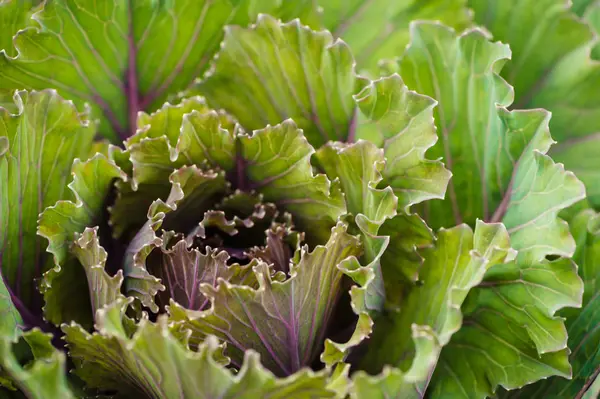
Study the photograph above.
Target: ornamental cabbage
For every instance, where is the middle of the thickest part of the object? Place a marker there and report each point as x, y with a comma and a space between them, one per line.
285, 199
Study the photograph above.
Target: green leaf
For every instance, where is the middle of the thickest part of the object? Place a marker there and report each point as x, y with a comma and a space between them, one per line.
272, 71
61, 225
451, 269
153, 363
173, 136
177, 135
580, 6
285, 322
551, 68
500, 173
183, 271
42, 377
277, 165
358, 167
509, 335
193, 191
10, 318
392, 382
401, 122
39, 145
379, 29
582, 324
124, 56
14, 16
592, 17
103, 289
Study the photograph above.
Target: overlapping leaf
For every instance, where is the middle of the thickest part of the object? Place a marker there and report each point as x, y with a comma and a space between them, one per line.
184, 270
167, 140
158, 148
14, 16
552, 68
375, 30
125, 56
273, 71
401, 122
39, 145
430, 311
510, 336
151, 362
75, 274
496, 156
500, 174
277, 165
43, 375
202, 140
583, 325
319, 97
192, 190
285, 322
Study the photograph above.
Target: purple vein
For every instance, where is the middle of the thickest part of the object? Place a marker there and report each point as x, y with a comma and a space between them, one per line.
264, 340
40, 194
93, 50
503, 206
308, 114
588, 383
332, 297
20, 216
28, 317
195, 284
132, 83
154, 93
293, 337
95, 95
314, 117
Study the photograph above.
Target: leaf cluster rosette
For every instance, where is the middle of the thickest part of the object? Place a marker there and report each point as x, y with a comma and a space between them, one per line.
266, 233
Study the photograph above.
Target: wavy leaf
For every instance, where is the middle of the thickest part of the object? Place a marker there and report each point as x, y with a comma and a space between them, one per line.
272, 71
509, 335
277, 165
401, 122
39, 145
285, 322
173, 136
43, 375
358, 167
125, 56
193, 191
552, 69
500, 173
379, 29
14, 16
103, 288
61, 224
496, 156
183, 271
582, 324
451, 269
153, 363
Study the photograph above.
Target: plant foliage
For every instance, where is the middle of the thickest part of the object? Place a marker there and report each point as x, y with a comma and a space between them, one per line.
299, 199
